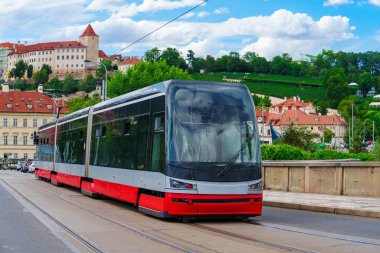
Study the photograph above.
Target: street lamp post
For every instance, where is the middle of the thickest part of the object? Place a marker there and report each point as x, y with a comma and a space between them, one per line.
104, 85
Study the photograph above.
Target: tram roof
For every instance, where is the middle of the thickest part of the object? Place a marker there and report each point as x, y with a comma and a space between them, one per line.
137, 94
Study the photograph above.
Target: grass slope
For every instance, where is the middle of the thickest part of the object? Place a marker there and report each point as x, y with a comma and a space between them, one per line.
270, 89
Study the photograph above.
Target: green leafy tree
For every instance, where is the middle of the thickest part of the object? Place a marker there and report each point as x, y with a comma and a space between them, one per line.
54, 84
190, 59
88, 84
152, 55
40, 77
79, 103
173, 58
328, 135
100, 71
281, 64
336, 90
365, 82
69, 85
143, 74
20, 84
29, 71
47, 68
20, 69
298, 137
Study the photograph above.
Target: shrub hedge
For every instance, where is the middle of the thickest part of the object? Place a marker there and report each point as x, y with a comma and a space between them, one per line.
287, 152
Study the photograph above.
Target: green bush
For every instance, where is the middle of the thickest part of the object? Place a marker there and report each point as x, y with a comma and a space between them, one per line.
329, 155
283, 152
288, 152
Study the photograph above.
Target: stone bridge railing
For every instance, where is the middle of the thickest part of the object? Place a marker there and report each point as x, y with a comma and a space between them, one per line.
351, 178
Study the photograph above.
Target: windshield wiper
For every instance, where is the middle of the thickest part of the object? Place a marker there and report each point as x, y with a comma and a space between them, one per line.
247, 141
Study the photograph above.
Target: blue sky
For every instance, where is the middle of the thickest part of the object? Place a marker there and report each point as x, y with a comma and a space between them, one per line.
267, 27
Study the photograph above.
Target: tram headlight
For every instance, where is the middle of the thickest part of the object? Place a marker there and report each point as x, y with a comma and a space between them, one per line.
257, 186
182, 185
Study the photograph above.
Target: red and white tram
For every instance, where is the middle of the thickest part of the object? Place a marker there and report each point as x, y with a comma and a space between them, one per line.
173, 149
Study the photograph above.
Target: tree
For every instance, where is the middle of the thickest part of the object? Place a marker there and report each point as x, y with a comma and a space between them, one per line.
88, 84
152, 55
328, 135
20, 69
20, 85
69, 85
298, 137
336, 90
82, 102
40, 77
281, 64
173, 58
190, 59
141, 75
322, 107
365, 82
29, 72
100, 71
54, 84
47, 68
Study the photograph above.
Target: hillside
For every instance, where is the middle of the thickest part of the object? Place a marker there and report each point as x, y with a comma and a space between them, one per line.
308, 89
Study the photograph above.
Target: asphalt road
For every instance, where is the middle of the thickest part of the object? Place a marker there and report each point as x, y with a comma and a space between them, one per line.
324, 222
22, 232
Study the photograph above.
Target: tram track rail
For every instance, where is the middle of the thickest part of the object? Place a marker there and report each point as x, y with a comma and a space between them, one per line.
125, 226
83, 240
213, 230
247, 238
195, 225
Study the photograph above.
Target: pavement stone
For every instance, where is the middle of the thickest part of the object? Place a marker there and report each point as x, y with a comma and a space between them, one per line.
348, 205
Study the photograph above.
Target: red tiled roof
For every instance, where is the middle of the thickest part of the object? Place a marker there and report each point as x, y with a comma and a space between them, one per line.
300, 118
115, 56
102, 55
89, 32
7, 44
27, 102
293, 102
260, 113
21, 49
130, 60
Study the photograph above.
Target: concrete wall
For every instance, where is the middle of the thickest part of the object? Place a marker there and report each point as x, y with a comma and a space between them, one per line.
324, 177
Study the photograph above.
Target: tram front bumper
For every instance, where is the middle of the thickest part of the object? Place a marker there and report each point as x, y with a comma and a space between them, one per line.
193, 204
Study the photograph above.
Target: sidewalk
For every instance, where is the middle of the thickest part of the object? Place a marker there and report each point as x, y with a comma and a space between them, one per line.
350, 205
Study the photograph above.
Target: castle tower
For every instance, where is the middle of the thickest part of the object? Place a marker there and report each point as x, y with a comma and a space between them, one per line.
90, 39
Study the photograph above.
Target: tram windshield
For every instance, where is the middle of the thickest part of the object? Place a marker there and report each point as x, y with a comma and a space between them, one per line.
212, 134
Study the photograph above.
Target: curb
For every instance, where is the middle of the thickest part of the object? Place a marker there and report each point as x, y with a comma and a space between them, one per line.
324, 209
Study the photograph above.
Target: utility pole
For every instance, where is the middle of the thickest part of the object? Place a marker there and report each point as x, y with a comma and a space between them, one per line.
352, 124
262, 120
373, 133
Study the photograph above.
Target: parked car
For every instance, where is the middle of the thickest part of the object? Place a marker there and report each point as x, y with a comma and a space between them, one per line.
19, 165
32, 167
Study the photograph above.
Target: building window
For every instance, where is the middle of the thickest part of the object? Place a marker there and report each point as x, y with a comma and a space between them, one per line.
67, 57
15, 140
34, 122
5, 122
72, 57
82, 57
25, 122
25, 140
57, 57
25, 155
44, 121
15, 155
5, 139
77, 57
34, 156
15, 122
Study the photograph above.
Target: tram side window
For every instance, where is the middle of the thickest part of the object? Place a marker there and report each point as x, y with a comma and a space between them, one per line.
121, 144
158, 152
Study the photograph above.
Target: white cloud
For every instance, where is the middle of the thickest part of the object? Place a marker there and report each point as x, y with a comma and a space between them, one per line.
221, 10
132, 9
203, 14
377, 36
337, 2
282, 31
188, 15
374, 2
